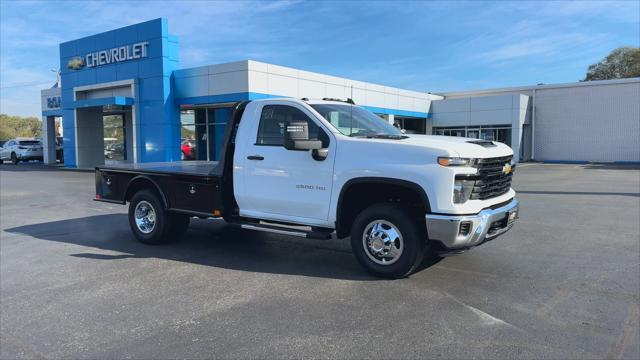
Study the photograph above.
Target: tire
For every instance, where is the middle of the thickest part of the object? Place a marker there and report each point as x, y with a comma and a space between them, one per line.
14, 159
392, 222
157, 229
1, 161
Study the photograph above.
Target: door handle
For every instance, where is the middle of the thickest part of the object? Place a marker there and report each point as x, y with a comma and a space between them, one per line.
255, 157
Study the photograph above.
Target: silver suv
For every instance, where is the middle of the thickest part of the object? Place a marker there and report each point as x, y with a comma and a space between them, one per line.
21, 149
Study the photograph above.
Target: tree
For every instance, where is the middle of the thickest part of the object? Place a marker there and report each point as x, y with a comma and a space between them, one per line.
16, 126
623, 62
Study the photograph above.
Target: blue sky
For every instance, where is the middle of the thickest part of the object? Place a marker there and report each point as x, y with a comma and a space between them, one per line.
425, 46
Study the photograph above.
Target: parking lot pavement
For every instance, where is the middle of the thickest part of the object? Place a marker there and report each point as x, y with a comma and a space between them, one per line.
564, 283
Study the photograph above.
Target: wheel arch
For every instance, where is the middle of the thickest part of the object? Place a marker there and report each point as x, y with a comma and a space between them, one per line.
345, 216
141, 182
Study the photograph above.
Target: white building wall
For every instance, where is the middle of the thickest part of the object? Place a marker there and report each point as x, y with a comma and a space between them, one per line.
596, 121
503, 109
263, 78
588, 123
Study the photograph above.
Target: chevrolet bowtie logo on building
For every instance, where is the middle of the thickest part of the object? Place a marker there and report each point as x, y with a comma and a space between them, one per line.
75, 63
506, 169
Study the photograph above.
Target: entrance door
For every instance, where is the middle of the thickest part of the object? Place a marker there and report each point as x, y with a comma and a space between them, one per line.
115, 144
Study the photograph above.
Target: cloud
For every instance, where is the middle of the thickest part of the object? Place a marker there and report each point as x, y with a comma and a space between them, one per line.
546, 45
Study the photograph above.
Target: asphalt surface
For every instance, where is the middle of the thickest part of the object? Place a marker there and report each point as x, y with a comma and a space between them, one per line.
563, 283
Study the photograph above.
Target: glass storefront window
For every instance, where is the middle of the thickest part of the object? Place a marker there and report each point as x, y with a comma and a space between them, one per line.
114, 138
499, 133
202, 132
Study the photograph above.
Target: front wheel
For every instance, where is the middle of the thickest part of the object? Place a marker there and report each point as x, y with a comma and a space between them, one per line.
387, 241
14, 159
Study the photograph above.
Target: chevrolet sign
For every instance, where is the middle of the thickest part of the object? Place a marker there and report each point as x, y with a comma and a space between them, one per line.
111, 56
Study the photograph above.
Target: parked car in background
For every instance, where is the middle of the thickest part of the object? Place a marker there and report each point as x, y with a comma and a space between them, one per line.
187, 149
114, 151
21, 149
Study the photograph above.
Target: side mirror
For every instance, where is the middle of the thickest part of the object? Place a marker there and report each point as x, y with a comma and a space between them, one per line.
296, 137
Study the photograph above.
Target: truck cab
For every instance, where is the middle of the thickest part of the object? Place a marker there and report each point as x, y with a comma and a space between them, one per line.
337, 170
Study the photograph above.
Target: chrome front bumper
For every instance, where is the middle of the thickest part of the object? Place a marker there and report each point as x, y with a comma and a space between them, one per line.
485, 225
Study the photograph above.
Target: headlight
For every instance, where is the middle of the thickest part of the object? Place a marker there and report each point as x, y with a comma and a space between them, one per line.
462, 190
455, 161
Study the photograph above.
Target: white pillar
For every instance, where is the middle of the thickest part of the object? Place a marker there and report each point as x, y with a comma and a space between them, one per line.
390, 118
49, 139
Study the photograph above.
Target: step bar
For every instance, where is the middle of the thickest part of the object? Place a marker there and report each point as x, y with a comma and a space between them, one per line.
285, 230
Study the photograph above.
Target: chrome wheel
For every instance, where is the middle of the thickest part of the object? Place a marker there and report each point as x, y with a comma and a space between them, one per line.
145, 217
382, 242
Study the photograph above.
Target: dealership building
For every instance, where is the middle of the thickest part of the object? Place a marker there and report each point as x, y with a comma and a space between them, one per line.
123, 97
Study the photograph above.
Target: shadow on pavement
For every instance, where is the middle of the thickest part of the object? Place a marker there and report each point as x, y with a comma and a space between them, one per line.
207, 242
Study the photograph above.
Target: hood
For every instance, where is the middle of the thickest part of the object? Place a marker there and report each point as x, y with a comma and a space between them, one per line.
459, 146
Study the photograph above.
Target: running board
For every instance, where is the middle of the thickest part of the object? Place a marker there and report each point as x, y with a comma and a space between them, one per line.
283, 230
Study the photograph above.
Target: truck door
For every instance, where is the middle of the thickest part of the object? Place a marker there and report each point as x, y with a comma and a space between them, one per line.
281, 184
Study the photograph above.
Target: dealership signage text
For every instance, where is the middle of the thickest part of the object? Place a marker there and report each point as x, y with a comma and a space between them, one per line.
53, 102
115, 55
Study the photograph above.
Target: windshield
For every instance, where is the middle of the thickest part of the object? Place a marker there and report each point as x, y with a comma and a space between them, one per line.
353, 120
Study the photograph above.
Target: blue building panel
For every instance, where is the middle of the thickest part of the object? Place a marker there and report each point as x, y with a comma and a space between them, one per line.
69, 137
151, 67
87, 44
115, 100
126, 35
153, 29
66, 99
153, 88
86, 77
127, 70
152, 112
68, 48
107, 73
156, 49
171, 50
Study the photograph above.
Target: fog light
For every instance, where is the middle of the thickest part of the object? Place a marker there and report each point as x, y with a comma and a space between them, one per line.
465, 228
462, 190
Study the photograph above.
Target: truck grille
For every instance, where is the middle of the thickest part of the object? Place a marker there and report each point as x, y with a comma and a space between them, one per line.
492, 181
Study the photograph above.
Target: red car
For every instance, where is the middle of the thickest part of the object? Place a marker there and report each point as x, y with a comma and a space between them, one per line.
187, 150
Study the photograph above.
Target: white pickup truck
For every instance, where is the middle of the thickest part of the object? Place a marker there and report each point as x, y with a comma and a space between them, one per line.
323, 169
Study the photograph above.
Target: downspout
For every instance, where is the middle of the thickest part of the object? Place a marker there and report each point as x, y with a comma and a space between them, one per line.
533, 127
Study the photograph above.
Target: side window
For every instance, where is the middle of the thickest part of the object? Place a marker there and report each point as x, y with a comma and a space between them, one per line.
273, 120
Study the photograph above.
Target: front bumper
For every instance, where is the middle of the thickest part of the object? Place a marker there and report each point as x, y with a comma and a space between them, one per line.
486, 225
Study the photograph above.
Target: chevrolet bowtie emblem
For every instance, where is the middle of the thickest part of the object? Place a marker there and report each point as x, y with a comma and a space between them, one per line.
506, 169
75, 63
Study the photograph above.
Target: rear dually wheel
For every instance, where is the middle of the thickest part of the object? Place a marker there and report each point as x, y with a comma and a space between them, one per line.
149, 221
